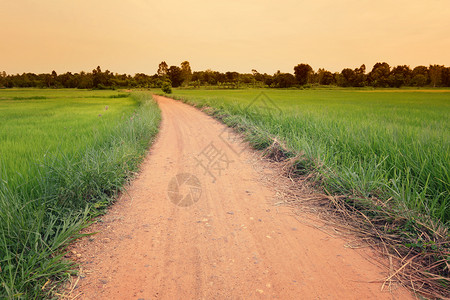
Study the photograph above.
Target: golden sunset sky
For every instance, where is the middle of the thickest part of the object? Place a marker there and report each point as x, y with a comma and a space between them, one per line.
134, 36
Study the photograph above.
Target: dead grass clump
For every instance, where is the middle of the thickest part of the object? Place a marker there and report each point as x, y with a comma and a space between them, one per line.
276, 152
418, 252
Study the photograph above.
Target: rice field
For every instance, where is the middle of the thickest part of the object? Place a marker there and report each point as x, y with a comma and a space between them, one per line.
46, 124
64, 155
392, 145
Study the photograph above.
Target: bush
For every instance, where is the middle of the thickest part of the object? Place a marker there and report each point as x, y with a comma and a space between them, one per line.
166, 87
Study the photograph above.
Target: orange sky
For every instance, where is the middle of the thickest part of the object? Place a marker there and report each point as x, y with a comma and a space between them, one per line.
135, 35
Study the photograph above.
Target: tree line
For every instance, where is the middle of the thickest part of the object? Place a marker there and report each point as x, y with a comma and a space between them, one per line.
381, 75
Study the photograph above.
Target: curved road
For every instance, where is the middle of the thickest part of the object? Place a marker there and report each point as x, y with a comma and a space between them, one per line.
212, 234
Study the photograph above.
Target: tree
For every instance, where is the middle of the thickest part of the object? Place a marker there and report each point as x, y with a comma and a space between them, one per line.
142, 80
355, 78
86, 81
186, 72
97, 77
446, 76
162, 69
175, 75
66, 80
419, 76
101, 80
348, 76
420, 70
283, 80
2, 79
232, 76
360, 76
436, 74
379, 76
302, 73
326, 78
400, 75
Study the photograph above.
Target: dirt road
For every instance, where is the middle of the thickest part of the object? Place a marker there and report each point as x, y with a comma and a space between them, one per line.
213, 233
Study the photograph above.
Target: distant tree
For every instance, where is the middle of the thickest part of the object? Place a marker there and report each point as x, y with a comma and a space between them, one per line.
419, 80
86, 81
353, 78
302, 73
360, 76
54, 78
348, 76
101, 80
283, 80
232, 76
257, 78
209, 77
435, 72
2, 79
142, 80
324, 77
327, 78
255, 75
162, 69
175, 75
267, 79
419, 76
422, 70
97, 77
379, 76
400, 76
66, 80
246, 78
47, 81
186, 72
446, 76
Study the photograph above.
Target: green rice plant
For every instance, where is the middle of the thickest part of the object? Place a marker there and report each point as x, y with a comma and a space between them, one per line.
77, 164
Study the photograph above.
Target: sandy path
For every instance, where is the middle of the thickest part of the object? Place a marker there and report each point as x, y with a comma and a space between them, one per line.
230, 244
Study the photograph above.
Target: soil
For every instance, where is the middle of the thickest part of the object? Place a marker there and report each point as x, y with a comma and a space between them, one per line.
198, 223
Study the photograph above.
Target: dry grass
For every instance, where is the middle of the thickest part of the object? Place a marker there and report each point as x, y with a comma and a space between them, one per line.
418, 259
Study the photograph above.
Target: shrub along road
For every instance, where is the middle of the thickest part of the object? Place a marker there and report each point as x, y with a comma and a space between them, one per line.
198, 223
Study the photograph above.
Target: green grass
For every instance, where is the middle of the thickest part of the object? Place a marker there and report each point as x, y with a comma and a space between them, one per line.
60, 164
56, 122
385, 144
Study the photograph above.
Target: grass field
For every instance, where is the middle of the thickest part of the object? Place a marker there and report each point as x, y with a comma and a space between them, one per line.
393, 145
64, 154
52, 122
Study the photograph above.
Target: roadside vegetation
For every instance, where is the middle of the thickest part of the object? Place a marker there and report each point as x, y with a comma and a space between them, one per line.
386, 153
64, 156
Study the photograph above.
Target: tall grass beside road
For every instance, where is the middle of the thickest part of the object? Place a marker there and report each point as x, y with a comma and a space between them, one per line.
64, 156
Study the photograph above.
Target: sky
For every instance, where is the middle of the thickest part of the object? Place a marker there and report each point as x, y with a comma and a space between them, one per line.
134, 36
